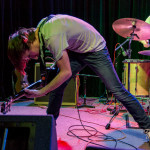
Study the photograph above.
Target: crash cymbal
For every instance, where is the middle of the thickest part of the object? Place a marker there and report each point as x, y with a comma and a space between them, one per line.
145, 52
125, 27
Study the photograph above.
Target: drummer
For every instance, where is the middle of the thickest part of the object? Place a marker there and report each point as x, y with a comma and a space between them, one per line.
146, 43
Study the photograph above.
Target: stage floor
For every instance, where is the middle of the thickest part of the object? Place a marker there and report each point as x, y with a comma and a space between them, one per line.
85, 127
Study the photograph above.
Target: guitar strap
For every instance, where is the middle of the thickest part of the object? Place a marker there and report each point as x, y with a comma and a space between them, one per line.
42, 47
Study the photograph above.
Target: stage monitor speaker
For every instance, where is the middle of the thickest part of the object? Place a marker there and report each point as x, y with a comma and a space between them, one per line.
100, 148
25, 132
70, 94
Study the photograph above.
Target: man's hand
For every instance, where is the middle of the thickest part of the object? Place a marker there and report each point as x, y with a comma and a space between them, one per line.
24, 85
65, 73
145, 43
33, 93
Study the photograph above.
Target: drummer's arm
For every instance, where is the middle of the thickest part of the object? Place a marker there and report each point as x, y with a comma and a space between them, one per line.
146, 43
148, 20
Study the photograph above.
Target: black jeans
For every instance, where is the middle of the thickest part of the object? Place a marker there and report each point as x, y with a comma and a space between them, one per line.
100, 62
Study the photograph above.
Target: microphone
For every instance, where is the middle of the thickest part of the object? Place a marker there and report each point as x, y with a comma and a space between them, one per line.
124, 53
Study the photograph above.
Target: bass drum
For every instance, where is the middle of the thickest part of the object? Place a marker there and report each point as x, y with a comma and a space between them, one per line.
136, 76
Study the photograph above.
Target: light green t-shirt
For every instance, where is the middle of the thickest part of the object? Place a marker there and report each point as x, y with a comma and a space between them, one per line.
67, 32
148, 20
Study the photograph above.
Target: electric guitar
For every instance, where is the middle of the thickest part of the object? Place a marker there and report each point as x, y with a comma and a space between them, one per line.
46, 77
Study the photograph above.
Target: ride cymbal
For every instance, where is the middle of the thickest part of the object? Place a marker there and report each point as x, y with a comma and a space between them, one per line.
131, 27
145, 52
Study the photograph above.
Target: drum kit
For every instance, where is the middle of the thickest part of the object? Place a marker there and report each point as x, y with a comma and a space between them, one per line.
136, 72
136, 76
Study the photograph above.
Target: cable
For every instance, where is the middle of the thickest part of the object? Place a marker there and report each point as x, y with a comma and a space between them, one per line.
95, 134
87, 132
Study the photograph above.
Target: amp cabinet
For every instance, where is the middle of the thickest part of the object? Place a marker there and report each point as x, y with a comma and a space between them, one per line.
70, 94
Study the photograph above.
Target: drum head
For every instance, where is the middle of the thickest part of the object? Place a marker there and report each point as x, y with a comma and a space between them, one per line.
135, 61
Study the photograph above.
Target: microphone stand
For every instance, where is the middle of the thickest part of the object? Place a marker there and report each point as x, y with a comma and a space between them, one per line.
84, 103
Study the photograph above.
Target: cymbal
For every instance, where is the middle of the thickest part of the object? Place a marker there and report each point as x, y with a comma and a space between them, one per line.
125, 27
145, 52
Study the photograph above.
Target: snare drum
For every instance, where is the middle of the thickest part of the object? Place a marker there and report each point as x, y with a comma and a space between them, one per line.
137, 76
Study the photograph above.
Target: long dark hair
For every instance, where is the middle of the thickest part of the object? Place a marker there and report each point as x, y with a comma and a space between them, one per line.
18, 43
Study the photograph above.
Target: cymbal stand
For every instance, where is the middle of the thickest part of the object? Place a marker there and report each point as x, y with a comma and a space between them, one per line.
129, 57
149, 99
115, 113
128, 52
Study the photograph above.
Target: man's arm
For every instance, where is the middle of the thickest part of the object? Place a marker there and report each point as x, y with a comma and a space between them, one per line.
146, 42
148, 20
65, 73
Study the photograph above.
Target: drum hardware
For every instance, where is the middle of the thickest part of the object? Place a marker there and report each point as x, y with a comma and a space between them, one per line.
128, 123
117, 26
139, 76
136, 68
128, 52
147, 53
132, 29
149, 103
148, 108
124, 76
115, 113
127, 117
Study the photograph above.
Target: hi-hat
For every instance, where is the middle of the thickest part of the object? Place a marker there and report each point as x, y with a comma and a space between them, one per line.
145, 52
131, 27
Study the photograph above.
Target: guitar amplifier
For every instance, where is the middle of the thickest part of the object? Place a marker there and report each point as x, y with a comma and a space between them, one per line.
70, 94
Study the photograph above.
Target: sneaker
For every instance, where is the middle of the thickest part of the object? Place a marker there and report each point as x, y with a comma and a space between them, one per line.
147, 132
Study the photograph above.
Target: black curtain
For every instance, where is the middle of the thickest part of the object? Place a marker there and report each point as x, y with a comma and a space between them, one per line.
100, 13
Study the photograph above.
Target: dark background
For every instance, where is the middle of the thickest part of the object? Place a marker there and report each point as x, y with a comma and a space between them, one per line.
100, 13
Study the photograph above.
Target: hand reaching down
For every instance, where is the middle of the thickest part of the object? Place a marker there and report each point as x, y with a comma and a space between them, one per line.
33, 93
